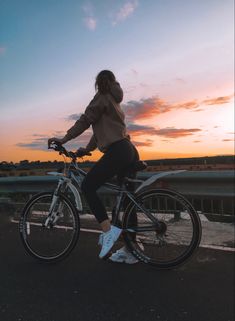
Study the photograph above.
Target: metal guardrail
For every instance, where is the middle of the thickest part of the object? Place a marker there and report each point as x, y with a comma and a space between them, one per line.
211, 192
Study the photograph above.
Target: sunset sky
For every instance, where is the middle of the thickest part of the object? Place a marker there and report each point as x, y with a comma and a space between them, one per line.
173, 59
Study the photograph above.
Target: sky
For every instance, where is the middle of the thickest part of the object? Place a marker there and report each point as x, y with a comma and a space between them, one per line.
173, 59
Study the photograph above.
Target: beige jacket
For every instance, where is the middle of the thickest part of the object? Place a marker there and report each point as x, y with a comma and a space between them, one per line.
106, 117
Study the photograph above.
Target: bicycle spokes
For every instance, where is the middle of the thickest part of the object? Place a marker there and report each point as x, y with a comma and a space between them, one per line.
49, 226
171, 236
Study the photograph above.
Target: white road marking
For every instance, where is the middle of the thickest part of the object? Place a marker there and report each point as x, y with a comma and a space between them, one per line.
207, 246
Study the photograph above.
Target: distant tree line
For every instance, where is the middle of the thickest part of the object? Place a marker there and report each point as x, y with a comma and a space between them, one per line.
27, 165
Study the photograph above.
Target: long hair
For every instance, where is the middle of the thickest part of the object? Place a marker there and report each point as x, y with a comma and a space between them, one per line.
103, 81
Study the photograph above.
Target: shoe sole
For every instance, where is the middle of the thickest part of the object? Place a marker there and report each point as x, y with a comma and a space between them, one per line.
123, 261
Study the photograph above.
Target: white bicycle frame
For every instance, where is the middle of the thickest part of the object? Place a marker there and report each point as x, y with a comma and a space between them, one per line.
69, 181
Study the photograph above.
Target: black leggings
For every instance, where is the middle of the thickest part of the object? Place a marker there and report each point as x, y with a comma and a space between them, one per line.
114, 162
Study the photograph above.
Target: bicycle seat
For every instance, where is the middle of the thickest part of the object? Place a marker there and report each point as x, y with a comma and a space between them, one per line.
137, 166
130, 171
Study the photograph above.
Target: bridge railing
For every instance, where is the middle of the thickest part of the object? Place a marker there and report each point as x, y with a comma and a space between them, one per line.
211, 192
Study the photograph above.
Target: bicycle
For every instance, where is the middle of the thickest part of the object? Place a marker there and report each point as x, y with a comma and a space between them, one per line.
160, 226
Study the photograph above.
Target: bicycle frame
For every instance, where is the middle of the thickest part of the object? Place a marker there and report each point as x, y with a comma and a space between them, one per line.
72, 179
141, 211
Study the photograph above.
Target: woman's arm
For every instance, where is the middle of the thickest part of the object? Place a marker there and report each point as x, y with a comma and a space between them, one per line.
91, 115
92, 145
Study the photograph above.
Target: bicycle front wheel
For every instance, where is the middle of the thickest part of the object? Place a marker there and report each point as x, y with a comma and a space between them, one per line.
49, 233
173, 240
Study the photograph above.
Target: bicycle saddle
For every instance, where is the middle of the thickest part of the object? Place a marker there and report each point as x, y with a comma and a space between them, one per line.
137, 166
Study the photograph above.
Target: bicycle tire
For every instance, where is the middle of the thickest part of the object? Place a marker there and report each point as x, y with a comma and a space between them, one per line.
163, 194
24, 225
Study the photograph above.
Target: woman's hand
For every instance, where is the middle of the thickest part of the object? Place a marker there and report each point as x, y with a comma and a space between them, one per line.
56, 140
82, 152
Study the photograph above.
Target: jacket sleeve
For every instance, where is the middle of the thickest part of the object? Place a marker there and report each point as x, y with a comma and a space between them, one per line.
92, 145
91, 115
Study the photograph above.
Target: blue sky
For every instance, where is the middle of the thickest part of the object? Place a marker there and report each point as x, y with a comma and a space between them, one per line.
51, 51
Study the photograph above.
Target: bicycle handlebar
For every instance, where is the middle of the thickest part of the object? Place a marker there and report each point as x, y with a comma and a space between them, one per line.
59, 148
62, 150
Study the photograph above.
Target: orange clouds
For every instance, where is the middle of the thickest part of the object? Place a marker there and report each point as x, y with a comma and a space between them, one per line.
176, 132
218, 100
145, 108
149, 107
188, 105
137, 130
146, 143
142, 135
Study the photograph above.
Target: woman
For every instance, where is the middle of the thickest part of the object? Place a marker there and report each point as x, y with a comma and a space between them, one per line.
111, 138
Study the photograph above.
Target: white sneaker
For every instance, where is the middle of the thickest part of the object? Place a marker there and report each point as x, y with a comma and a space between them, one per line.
108, 239
123, 256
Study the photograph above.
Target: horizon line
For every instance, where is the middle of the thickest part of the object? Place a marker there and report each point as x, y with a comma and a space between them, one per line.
155, 159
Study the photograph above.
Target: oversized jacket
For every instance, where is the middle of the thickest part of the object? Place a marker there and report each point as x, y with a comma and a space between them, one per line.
106, 117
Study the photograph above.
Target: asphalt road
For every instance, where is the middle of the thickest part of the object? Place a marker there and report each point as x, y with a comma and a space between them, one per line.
84, 288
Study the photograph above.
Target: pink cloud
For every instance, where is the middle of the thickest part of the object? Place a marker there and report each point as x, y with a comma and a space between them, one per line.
147, 143
148, 107
169, 132
176, 132
145, 108
218, 100
187, 105
197, 110
125, 11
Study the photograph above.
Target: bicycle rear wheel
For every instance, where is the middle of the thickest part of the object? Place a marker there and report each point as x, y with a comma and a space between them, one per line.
52, 240
178, 236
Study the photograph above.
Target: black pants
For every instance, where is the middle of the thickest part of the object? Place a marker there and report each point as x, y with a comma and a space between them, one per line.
114, 162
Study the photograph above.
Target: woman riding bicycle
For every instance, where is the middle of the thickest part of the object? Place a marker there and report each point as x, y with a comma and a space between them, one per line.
110, 136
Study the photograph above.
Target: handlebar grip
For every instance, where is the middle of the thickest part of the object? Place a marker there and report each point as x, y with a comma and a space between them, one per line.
57, 145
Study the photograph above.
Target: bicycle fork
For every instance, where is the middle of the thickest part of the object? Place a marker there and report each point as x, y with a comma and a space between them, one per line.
56, 207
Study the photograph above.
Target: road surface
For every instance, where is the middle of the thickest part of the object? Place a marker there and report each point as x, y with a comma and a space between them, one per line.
84, 288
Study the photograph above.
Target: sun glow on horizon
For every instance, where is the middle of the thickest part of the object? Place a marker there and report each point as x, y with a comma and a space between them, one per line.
178, 91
